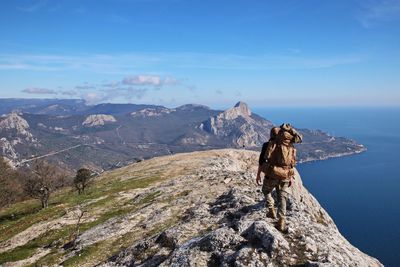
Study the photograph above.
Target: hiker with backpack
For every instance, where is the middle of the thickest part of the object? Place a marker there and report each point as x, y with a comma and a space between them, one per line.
277, 160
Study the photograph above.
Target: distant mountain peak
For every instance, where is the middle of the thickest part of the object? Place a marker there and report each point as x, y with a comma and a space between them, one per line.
239, 126
242, 109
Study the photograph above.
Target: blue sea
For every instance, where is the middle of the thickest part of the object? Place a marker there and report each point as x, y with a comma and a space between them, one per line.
360, 192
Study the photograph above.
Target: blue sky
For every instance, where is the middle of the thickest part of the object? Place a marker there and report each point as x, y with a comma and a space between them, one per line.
172, 52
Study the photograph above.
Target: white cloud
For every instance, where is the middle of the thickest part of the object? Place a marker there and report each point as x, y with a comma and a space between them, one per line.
40, 5
373, 12
127, 93
124, 64
36, 6
170, 81
112, 84
143, 80
85, 87
38, 90
149, 80
93, 98
69, 93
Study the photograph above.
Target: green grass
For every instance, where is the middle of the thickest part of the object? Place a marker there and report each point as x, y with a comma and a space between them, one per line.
103, 250
27, 250
25, 218
61, 235
51, 259
21, 216
96, 251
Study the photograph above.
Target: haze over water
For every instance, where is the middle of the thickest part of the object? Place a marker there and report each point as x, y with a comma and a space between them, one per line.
360, 192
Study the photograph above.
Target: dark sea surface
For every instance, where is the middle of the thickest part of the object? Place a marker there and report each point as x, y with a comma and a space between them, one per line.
360, 192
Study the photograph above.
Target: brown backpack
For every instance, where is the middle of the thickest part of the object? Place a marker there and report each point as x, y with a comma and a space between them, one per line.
281, 156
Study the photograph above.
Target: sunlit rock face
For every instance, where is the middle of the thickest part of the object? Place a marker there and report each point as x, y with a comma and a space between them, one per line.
152, 112
98, 120
239, 125
223, 221
13, 121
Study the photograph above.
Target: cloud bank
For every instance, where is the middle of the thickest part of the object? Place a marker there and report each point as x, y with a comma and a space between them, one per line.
40, 91
129, 88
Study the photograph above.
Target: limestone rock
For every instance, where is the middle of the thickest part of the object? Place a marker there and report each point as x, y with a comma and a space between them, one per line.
7, 149
98, 120
226, 224
238, 125
190, 216
13, 121
152, 112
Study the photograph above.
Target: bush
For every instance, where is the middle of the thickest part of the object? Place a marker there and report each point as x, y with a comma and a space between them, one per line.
82, 179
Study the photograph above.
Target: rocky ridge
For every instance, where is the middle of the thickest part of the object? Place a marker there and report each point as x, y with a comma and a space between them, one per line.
152, 112
232, 229
188, 209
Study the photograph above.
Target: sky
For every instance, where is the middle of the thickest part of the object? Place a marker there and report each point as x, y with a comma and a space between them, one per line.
173, 52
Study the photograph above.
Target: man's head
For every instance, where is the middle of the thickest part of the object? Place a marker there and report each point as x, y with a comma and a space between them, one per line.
274, 133
288, 133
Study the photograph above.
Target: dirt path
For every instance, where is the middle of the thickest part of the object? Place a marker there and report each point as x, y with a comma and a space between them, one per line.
49, 154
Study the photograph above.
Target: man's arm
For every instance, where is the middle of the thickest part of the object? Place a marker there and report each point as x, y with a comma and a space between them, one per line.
261, 161
258, 178
298, 138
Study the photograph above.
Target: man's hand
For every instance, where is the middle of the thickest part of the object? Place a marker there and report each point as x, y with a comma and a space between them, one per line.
258, 179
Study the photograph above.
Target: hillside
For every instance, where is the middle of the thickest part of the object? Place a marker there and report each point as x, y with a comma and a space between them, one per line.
189, 209
107, 136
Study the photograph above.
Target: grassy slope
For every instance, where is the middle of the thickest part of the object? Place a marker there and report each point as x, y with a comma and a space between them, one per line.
101, 201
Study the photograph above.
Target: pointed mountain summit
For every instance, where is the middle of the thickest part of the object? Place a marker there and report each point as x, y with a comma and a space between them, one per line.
239, 126
243, 108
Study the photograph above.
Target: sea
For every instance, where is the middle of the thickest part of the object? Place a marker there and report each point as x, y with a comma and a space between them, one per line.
360, 192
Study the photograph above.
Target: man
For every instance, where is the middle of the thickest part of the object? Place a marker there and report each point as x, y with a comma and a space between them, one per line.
277, 160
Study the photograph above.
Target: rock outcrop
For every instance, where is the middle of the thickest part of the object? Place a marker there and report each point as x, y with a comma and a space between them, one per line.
232, 229
189, 209
8, 150
15, 122
238, 125
14, 134
152, 112
97, 120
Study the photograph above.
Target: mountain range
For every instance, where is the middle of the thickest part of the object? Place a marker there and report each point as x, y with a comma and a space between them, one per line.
73, 134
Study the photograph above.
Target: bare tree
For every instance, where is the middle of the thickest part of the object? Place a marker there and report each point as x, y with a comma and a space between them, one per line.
73, 236
82, 179
10, 187
40, 182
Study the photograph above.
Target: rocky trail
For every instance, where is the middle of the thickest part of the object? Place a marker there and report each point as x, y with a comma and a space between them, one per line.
190, 209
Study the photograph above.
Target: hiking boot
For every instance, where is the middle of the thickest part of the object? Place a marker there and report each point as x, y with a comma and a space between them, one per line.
281, 226
271, 213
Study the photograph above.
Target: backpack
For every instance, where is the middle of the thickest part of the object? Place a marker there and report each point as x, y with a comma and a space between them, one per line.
281, 154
